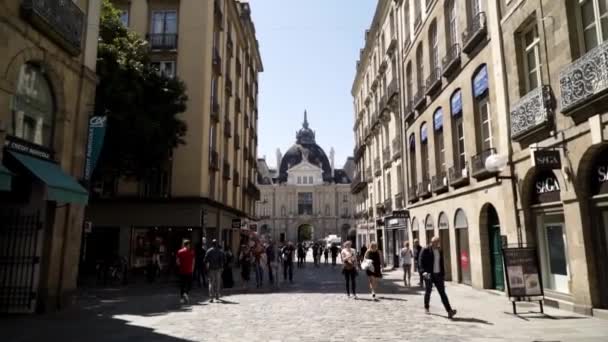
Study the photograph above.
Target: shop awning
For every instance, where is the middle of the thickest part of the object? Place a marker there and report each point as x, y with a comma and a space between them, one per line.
5, 179
61, 187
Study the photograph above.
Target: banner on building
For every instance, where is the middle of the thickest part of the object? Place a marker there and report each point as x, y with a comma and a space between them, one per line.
97, 132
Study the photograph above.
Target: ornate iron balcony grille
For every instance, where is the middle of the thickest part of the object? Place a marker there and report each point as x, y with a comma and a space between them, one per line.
215, 110
478, 163
459, 176
386, 156
406, 43
61, 21
531, 113
409, 111
229, 45
368, 174
474, 33
377, 167
451, 60
162, 41
219, 16
585, 80
237, 103
383, 67
239, 67
358, 184
424, 188
380, 210
420, 98
374, 85
226, 171
433, 82
439, 182
412, 193
383, 104
397, 147
214, 161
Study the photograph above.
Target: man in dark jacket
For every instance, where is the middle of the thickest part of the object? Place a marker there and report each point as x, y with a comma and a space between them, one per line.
431, 266
417, 250
215, 260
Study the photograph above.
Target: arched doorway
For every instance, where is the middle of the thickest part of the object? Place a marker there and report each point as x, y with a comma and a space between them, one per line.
305, 232
444, 236
490, 225
415, 232
429, 228
461, 226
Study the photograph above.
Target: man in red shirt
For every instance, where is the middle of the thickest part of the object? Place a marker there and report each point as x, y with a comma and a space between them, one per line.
185, 262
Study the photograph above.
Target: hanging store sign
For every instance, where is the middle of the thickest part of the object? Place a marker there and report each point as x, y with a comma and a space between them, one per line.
547, 159
25, 147
405, 214
523, 272
97, 133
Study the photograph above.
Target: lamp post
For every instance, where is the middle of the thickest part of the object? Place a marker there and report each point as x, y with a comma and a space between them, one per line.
496, 163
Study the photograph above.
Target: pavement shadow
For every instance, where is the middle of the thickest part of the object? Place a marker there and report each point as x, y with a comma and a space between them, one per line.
392, 298
464, 319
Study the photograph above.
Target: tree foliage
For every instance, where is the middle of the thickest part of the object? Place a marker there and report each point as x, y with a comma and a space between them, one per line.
141, 105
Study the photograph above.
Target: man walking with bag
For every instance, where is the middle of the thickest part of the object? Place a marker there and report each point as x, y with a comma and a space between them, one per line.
214, 259
431, 266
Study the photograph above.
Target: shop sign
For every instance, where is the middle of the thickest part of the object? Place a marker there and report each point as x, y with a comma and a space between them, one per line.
546, 188
523, 272
548, 159
547, 185
236, 223
599, 177
97, 132
22, 146
404, 214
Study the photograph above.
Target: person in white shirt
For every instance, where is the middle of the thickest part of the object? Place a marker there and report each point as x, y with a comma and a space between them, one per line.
431, 265
405, 257
349, 268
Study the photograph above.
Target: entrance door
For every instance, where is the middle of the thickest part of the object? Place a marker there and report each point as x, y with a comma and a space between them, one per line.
496, 258
444, 236
464, 261
555, 256
603, 251
396, 248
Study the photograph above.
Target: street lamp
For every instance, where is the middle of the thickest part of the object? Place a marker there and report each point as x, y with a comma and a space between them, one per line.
496, 163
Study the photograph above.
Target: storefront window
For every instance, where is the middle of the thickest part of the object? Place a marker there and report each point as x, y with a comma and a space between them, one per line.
32, 107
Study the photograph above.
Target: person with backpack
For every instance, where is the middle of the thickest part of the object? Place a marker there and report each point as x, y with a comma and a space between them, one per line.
287, 255
348, 255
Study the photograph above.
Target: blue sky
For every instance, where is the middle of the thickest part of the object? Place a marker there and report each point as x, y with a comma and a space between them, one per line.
309, 49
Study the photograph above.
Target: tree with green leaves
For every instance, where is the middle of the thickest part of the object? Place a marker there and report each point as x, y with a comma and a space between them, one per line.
142, 106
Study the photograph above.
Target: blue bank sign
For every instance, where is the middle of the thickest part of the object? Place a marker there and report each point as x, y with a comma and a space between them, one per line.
97, 132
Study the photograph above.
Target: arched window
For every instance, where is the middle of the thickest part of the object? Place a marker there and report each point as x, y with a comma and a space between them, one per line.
458, 142
424, 151
33, 107
433, 47
412, 155
419, 68
482, 109
438, 141
451, 23
410, 82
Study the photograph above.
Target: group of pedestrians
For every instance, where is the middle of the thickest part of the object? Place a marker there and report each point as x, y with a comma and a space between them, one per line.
213, 263
428, 262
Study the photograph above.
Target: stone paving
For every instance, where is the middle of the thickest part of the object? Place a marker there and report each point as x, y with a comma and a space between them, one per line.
314, 308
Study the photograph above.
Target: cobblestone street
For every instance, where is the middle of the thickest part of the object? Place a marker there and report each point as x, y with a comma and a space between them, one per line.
314, 308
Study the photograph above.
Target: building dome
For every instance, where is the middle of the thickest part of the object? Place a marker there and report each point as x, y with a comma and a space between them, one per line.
305, 147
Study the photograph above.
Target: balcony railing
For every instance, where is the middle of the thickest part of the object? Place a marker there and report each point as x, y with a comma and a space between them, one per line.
226, 174
531, 113
237, 141
377, 167
424, 188
162, 41
237, 103
478, 163
420, 98
368, 174
475, 33
388, 206
228, 86
412, 193
439, 183
399, 201
219, 15
62, 21
393, 90
370, 212
217, 61
229, 45
253, 191
383, 66
585, 80
409, 111
214, 161
358, 152
451, 60
392, 45
380, 209
239, 67
236, 179
374, 85
383, 104
358, 184
215, 110
386, 157
227, 129
433, 82
406, 43
396, 148
459, 176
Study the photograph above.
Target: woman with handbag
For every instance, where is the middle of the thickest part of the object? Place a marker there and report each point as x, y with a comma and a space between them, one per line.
349, 267
372, 264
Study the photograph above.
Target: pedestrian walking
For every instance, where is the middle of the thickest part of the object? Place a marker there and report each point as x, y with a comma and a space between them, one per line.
405, 258
272, 259
287, 255
185, 264
375, 272
301, 255
245, 261
417, 250
348, 255
258, 260
326, 254
334, 254
431, 264
315, 254
214, 260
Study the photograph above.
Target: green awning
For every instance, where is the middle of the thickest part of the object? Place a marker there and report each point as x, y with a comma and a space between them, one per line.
5, 179
61, 187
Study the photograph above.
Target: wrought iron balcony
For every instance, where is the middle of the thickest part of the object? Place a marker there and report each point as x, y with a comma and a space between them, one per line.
253, 191
237, 103
239, 67
227, 128
397, 147
459, 176
382, 67
439, 182
424, 188
368, 99
409, 111
406, 43
420, 98
475, 33
399, 201
383, 105
226, 174
358, 184
217, 61
214, 160
228, 86
368, 174
237, 141
215, 110
377, 167
433, 82
392, 45
162, 41
219, 15
370, 212
380, 209
236, 179
532, 113
393, 90
358, 152
229, 45
451, 60
412, 193
386, 157
374, 85
585, 80
388, 206
61, 21
478, 163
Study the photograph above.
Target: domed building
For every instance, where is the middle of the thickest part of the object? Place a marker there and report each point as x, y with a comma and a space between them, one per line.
305, 197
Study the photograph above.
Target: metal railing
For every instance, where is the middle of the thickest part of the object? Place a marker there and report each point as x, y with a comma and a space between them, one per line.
226, 170
433, 82
439, 182
475, 32
532, 112
451, 60
478, 163
162, 41
214, 160
420, 97
459, 175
